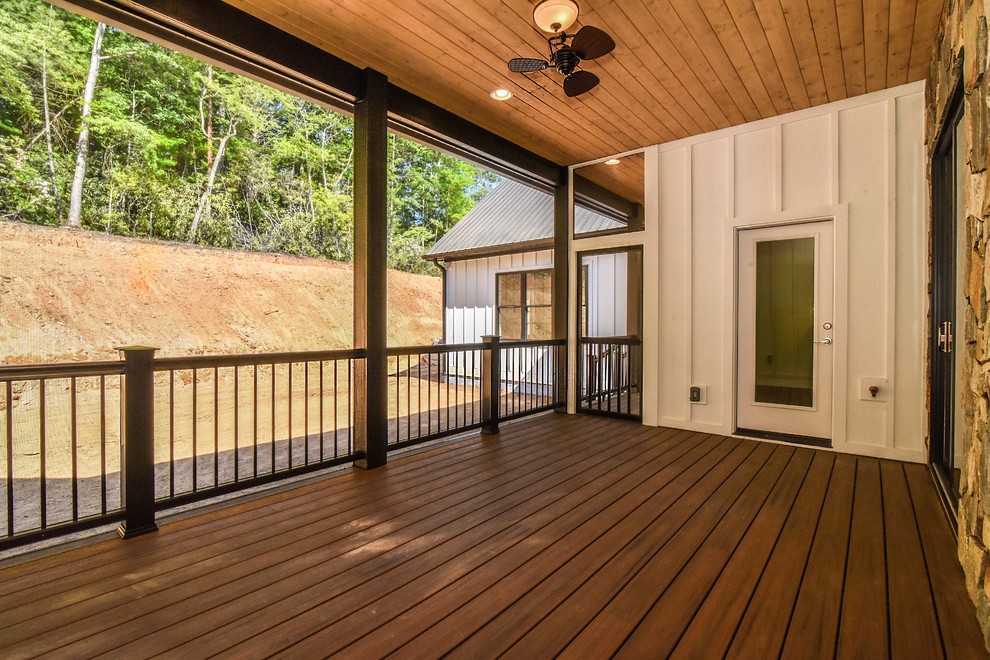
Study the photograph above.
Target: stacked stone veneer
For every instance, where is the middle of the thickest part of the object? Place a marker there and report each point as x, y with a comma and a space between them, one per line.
960, 54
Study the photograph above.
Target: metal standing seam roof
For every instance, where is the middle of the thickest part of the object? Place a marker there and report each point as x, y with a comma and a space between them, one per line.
512, 213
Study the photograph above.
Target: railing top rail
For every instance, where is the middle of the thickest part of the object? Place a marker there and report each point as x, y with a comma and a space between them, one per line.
251, 359
523, 343
434, 349
61, 370
630, 340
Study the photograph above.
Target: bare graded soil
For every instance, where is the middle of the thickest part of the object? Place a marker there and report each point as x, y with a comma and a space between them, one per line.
76, 295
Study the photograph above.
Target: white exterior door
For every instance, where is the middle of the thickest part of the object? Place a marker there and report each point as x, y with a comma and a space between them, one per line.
785, 330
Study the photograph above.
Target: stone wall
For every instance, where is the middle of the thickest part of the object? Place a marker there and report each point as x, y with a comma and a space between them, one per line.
961, 54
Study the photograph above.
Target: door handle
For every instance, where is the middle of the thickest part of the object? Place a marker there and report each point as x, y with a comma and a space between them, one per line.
826, 341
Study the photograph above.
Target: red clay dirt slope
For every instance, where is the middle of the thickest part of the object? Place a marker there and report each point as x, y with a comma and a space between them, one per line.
75, 295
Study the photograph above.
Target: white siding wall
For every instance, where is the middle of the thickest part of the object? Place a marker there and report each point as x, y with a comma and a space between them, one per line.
470, 306
861, 161
607, 299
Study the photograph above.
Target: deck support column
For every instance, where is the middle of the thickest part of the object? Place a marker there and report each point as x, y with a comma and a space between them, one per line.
491, 384
371, 269
561, 260
137, 446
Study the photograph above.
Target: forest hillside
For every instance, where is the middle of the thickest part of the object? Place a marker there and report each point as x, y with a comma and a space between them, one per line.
104, 131
75, 295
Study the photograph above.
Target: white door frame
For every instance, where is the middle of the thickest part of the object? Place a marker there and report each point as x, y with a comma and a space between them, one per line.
839, 214
813, 421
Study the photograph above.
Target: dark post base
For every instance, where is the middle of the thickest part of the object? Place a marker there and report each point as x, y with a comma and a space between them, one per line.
125, 533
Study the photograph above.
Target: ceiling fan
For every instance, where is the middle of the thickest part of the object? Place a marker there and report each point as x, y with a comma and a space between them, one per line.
589, 43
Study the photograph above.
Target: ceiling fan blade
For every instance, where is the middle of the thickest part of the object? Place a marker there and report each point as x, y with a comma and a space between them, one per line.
527, 65
580, 82
591, 42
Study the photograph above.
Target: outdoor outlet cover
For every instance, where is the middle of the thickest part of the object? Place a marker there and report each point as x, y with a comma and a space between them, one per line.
697, 394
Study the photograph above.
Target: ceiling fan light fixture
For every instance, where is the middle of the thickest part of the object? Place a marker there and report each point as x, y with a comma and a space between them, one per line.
555, 16
501, 95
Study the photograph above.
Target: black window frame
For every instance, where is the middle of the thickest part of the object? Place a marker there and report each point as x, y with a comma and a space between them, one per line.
524, 306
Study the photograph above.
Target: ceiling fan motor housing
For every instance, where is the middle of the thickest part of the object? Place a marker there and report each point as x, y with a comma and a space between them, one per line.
566, 60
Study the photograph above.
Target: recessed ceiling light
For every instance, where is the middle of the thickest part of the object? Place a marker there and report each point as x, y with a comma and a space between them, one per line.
501, 95
612, 161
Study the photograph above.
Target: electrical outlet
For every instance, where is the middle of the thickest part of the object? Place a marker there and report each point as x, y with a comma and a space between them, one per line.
873, 389
698, 394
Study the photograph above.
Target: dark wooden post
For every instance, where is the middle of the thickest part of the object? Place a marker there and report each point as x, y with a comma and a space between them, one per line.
491, 383
371, 269
137, 443
561, 288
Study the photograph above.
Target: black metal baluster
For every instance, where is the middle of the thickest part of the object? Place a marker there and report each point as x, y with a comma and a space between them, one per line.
322, 427
306, 411
289, 417
195, 420
10, 458
75, 450
274, 398
216, 427
254, 464
237, 420
43, 412
171, 433
103, 445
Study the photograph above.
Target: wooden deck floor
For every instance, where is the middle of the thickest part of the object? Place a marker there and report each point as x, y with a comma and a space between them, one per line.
577, 536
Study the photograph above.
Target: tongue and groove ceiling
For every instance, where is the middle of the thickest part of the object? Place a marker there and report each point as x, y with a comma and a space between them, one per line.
680, 68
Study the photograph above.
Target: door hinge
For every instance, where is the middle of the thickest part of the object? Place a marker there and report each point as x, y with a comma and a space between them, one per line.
945, 337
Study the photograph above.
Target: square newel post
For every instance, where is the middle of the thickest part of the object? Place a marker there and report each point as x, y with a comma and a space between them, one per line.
491, 383
561, 284
137, 442
371, 270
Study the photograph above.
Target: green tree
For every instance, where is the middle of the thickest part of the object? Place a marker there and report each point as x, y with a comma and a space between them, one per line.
167, 147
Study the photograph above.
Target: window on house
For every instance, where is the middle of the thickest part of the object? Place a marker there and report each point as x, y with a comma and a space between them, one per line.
524, 306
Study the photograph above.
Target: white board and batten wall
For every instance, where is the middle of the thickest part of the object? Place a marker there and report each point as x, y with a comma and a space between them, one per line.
861, 162
470, 304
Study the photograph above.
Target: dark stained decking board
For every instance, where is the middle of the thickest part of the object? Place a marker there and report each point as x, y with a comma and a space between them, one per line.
564, 535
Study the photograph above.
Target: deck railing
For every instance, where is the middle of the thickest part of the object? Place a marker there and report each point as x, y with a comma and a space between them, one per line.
609, 374
79, 451
61, 459
440, 390
87, 444
226, 422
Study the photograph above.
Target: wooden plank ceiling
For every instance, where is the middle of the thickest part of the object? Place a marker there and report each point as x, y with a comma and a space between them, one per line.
680, 68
